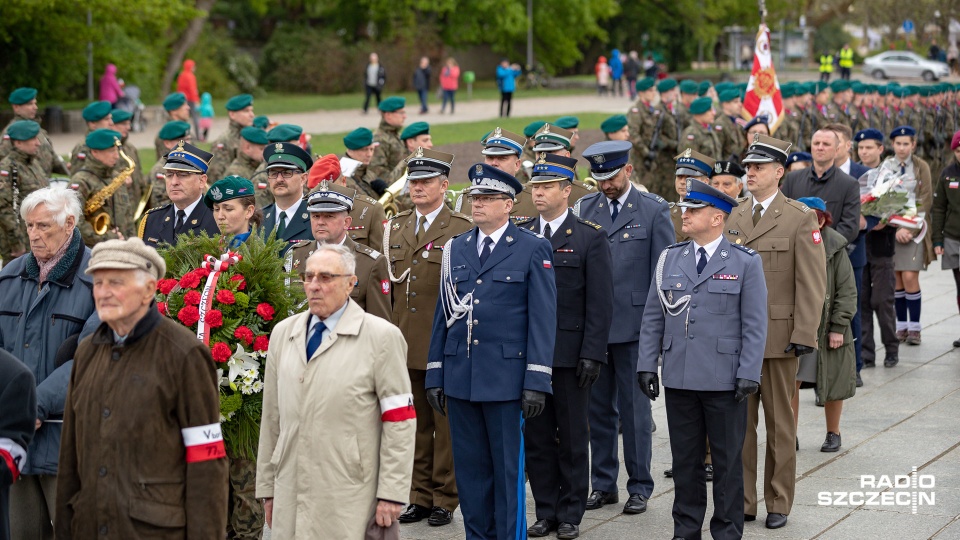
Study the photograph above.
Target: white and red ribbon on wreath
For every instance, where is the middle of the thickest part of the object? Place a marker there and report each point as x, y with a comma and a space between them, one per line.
216, 267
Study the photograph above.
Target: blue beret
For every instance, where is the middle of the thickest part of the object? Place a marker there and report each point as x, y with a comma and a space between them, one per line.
231, 187
762, 119
101, 139
174, 130
96, 111
415, 129
358, 138
487, 180
284, 133
174, 101
254, 135
700, 194
23, 130
186, 157
614, 123
553, 167
607, 158
813, 203
700, 105
693, 163
392, 104
22, 95
869, 133
799, 157
901, 131
567, 122
239, 102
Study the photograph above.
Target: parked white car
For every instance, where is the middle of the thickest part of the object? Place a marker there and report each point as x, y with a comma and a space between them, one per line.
893, 64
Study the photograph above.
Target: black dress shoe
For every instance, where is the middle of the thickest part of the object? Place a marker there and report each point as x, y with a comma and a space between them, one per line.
653, 424
440, 516
636, 504
775, 521
415, 513
891, 360
956, 343
798, 449
568, 531
832, 442
708, 468
859, 381
749, 517
599, 498
668, 473
541, 528
869, 363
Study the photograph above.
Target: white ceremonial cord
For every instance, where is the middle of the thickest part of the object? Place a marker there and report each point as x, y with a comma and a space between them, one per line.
675, 308
453, 306
386, 251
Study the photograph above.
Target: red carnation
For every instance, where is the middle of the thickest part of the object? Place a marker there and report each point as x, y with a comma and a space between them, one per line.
189, 315
265, 310
262, 343
243, 282
225, 296
221, 352
244, 334
166, 285
162, 308
202, 272
215, 318
190, 280
192, 298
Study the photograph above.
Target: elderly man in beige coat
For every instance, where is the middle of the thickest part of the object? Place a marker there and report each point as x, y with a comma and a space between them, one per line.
336, 388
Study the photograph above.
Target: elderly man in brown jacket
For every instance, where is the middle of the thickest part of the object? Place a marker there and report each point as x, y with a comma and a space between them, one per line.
787, 236
141, 454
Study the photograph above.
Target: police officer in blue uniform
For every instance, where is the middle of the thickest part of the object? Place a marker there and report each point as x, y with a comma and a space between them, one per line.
491, 353
557, 441
185, 178
287, 168
638, 228
706, 313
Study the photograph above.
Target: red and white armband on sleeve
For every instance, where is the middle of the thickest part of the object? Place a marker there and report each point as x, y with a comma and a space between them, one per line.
397, 408
12, 456
203, 443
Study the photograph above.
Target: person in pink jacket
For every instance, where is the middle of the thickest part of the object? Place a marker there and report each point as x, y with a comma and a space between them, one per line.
449, 82
187, 83
109, 85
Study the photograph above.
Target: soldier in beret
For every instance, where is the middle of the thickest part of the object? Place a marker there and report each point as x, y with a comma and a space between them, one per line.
367, 213
700, 133
177, 109
122, 125
360, 148
24, 103
689, 91
571, 123
240, 111
287, 168
732, 139
21, 173
184, 174
390, 149
416, 135
170, 134
663, 163
615, 128
95, 175
253, 141
97, 116
642, 123
728, 178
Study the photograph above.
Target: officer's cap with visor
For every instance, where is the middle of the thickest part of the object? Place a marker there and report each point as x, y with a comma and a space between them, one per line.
607, 158
766, 149
700, 194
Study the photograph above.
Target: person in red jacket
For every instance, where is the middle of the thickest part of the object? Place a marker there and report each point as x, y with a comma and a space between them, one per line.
187, 83
449, 82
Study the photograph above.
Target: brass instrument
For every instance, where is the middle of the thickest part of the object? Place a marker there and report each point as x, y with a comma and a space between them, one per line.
389, 198
144, 201
100, 221
590, 181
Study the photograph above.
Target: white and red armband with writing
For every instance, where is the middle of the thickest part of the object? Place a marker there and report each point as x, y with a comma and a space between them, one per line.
203, 443
12, 456
397, 408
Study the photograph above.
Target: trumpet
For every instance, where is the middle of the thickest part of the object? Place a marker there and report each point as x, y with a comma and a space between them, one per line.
100, 220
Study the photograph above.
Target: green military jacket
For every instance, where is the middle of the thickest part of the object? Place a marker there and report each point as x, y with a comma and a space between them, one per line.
27, 172
733, 140
702, 138
50, 161
88, 181
225, 150
390, 151
158, 197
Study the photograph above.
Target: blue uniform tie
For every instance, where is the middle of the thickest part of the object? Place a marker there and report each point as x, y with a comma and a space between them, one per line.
485, 252
702, 263
615, 205
314, 342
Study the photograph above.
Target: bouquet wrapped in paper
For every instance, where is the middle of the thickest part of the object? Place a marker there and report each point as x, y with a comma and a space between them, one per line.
883, 195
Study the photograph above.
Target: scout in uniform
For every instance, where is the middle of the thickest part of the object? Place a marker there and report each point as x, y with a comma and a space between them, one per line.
178, 110
97, 116
413, 242
170, 134
527, 157
240, 111
732, 139
390, 149
253, 141
122, 125
24, 103
700, 134
21, 173
184, 173
287, 168
638, 228
642, 120
95, 178
360, 147
787, 236
557, 441
710, 289
690, 166
491, 352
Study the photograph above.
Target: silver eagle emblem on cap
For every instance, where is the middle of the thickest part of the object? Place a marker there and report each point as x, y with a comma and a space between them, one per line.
599, 159
419, 153
718, 167
216, 194
479, 168
279, 147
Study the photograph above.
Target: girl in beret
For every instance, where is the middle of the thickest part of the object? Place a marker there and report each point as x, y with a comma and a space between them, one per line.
234, 207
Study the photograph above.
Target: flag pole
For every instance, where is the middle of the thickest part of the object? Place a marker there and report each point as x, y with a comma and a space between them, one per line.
763, 12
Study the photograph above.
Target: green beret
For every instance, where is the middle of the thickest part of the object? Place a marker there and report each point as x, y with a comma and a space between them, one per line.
392, 103
613, 124
567, 122
414, 129
174, 130
254, 135
742, 87
700, 105
239, 102
23, 130
704, 88
858, 88
174, 101
101, 139
96, 111
261, 122
786, 91
688, 86
729, 95
666, 85
840, 85
819, 86
22, 95
358, 138
645, 84
531, 129
723, 85
120, 115
284, 133
231, 187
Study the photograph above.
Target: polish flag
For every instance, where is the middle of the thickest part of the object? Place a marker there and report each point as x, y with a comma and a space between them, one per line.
763, 90
397, 408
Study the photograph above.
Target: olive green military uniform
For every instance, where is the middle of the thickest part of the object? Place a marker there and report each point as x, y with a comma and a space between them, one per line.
787, 130
733, 140
159, 147
390, 151
676, 217
807, 123
368, 217
702, 138
88, 181
834, 115
402, 200
245, 514
245, 167
50, 161
415, 267
641, 123
225, 150
79, 155
28, 173
664, 164
261, 185
138, 185
158, 197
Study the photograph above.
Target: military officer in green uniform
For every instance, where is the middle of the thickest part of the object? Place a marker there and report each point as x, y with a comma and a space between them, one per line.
390, 149
416, 135
170, 134
527, 157
21, 173
642, 120
177, 108
225, 148
24, 103
249, 157
367, 214
700, 134
138, 183
732, 139
92, 179
97, 116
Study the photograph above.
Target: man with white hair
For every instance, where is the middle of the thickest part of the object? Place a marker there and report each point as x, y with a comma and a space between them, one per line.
342, 372
46, 299
142, 454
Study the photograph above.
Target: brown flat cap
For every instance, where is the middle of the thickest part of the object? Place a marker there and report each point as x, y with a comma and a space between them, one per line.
129, 254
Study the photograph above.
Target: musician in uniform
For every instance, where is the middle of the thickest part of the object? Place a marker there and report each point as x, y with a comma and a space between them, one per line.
170, 134
287, 168
24, 103
710, 289
690, 165
122, 124
557, 441
97, 116
185, 180
240, 112
101, 190
21, 173
390, 149
253, 141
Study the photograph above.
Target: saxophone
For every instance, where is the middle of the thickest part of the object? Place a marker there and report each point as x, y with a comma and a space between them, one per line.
100, 221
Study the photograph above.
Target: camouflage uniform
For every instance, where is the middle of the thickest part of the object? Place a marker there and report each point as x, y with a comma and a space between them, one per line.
641, 122
390, 151
732, 138
788, 128
159, 147
245, 167
702, 138
50, 161
833, 114
79, 154
262, 185
30, 177
245, 514
225, 150
89, 180
158, 197
361, 182
665, 165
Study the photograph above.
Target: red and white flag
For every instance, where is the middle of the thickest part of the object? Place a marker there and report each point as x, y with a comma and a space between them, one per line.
763, 90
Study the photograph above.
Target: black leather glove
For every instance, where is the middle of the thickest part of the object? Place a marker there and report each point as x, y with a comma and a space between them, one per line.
651, 155
379, 186
745, 387
532, 403
588, 371
437, 400
649, 384
798, 350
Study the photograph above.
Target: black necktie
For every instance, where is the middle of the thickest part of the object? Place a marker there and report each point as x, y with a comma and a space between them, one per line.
281, 224
314, 342
181, 217
485, 252
903, 169
615, 204
702, 263
547, 233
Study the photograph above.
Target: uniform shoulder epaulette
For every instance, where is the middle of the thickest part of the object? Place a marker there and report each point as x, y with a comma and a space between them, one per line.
302, 243
461, 215
744, 249
798, 205
405, 213
678, 244
155, 208
653, 196
742, 199
585, 185
369, 251
590, 223
368, 199
528, 231
526, 221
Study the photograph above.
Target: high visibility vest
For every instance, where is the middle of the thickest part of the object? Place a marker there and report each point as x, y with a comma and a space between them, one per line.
826, 63
846, 58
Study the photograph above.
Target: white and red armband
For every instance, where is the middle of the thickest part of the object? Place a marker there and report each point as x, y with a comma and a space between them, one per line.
203, 443
397, 408
13, 456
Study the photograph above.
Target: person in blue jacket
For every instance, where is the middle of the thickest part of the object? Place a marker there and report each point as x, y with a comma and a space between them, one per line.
507, 83
616, 67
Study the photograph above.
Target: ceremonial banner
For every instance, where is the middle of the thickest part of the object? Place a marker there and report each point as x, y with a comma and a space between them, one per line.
763, 90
